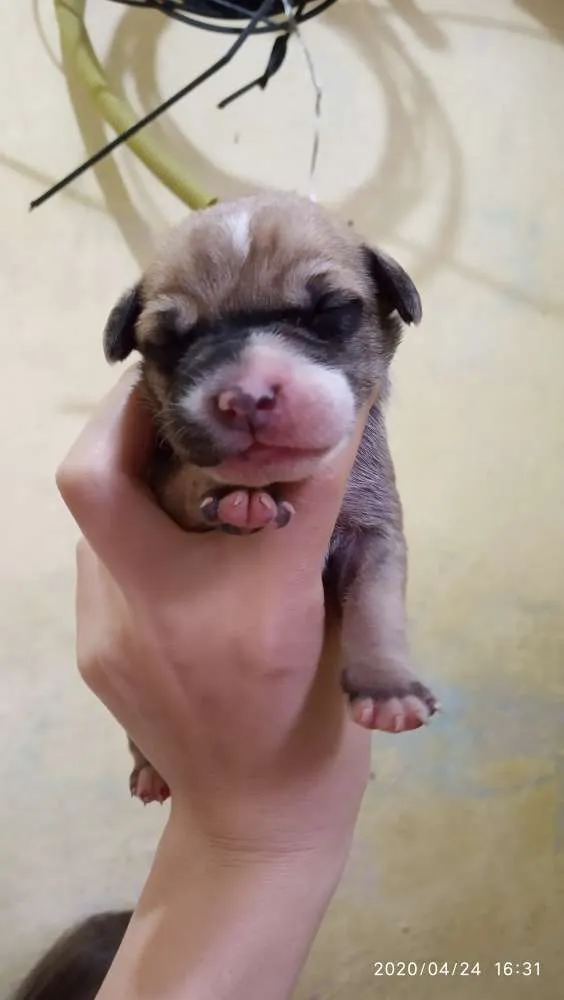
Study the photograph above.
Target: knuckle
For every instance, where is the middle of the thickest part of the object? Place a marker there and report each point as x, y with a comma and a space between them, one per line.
84, 486
74, 481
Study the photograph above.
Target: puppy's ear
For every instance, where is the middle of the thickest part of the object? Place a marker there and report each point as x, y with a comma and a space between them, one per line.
393, 286
119, 334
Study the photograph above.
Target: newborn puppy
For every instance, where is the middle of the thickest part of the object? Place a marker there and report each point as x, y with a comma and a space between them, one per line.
263, 326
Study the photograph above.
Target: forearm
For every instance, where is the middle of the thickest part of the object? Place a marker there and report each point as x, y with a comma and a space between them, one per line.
210, 928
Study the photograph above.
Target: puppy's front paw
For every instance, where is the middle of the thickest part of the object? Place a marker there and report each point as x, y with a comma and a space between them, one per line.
393, 706
146, 784
243, 511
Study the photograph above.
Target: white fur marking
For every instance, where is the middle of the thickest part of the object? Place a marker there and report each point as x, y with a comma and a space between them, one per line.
330, 382
238, 225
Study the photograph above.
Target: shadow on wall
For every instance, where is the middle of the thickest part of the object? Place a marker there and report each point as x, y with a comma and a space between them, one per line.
417, 127
550, 13
134, 50
423, 24
416, 124
136, 232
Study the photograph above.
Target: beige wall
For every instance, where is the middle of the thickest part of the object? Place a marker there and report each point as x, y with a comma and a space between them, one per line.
443, 139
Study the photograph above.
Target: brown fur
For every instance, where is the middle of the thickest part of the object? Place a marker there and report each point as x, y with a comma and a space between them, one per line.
197, 261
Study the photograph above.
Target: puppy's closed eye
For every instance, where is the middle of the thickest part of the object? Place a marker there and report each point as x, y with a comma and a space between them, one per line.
334, 313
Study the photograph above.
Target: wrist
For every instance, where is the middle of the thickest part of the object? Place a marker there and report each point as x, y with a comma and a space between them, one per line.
318, 859
215, 924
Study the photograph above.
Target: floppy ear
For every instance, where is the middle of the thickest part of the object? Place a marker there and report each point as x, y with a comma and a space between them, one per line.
394, 287
119, 334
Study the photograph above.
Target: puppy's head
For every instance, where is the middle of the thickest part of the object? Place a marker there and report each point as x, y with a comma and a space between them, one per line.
263, 326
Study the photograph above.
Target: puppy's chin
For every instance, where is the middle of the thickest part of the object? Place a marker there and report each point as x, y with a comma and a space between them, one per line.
261, 466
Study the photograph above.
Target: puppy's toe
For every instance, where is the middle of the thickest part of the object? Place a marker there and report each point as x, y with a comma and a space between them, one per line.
146, 784
234, 509
263, 510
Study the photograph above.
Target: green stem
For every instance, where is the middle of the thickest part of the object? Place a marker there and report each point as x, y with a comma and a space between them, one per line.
116, 111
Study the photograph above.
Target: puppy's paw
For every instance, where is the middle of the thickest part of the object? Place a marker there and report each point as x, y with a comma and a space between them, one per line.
243, 511
392, 706
146, 784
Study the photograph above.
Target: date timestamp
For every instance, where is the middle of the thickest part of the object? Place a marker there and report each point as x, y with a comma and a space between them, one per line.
503, 970
425, 968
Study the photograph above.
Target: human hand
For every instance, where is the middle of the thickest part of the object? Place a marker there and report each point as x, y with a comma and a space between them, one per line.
212, 651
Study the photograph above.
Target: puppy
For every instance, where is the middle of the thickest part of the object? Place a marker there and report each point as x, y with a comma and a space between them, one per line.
263, 326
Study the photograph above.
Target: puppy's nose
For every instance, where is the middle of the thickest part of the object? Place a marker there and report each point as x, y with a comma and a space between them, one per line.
241, 409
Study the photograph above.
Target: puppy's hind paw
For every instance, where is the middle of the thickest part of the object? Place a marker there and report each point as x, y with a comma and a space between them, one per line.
146, 784
393, 710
